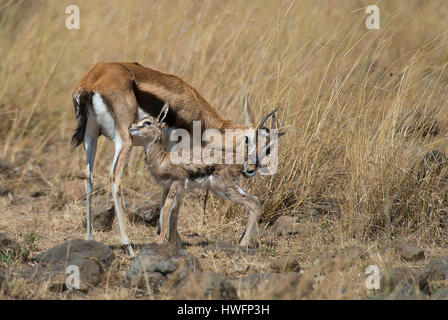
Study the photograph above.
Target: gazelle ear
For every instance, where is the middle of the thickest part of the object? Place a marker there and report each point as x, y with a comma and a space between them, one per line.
282, 131
163, 112
249, 122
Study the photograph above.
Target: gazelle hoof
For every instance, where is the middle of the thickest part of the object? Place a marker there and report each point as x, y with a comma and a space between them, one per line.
131, 251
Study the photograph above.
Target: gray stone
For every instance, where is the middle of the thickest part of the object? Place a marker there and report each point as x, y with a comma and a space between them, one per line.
229, 248
410, 253
285, 225
401, 280
158, 265
253, 281
206, 285
102, 218
148, 214
437, 270
91, 257
288, 263
406, 291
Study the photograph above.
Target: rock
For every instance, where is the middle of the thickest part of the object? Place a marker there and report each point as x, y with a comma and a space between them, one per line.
410, 253
405, 279
148, 214
92, 258
230, 248
253, 281
206, 285
437, 270
285, 225
159, 265
274, 285
102, 218
406, 291
288, 263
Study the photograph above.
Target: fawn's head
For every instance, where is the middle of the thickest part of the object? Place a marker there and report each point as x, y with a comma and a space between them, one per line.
149, 129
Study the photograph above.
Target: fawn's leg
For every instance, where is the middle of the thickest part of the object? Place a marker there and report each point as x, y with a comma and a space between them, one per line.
235, 193
169, 215
165, 190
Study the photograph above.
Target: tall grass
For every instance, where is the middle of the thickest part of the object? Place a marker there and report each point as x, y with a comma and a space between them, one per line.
364, 105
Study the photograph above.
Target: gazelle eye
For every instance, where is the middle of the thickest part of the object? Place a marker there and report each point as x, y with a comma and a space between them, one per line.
147, 123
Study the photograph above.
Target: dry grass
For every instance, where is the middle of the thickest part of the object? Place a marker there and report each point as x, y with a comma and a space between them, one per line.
365, 106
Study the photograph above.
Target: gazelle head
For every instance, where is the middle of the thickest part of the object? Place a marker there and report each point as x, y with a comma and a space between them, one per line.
149, 129
259, 141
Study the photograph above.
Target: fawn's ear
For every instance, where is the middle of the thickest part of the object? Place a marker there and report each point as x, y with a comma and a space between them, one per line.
163, 112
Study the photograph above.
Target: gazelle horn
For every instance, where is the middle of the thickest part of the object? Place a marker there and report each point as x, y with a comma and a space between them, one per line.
266, 117
246, 112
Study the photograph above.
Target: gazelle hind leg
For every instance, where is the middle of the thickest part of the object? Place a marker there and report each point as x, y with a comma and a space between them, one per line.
169, 216
123, 145
90, 143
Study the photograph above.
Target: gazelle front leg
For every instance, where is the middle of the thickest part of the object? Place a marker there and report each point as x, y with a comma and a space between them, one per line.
90, 143
169, 215
123, 145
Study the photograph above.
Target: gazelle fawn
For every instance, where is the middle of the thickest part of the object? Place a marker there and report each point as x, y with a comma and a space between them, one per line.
221, 179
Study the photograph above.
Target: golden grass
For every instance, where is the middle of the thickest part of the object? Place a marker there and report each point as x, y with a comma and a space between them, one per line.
364, 105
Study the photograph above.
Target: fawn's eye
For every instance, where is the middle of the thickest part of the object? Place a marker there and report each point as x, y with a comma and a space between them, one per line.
147, 123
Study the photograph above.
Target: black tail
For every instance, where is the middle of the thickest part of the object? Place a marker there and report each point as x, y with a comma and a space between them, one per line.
81, 104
